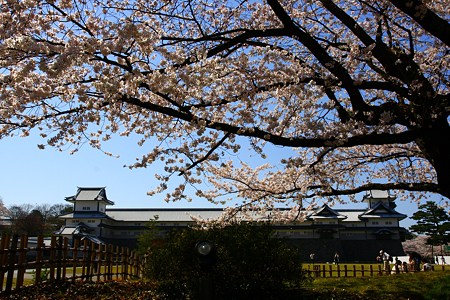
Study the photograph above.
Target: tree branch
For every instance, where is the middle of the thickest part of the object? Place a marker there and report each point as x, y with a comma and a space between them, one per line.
322, 56
211, 151
426, 18
367, 139
412, 187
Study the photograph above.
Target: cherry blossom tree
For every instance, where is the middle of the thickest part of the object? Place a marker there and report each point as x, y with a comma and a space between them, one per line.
3, 209
353, 95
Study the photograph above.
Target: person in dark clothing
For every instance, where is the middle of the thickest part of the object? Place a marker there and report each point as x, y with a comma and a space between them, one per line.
336, 258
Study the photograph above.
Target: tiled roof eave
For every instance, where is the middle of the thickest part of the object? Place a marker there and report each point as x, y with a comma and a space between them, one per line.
383, 216
334, 217
85, 215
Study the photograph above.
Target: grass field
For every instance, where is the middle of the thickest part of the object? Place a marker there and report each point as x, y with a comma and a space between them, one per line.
421, 285
354, 269
409, 286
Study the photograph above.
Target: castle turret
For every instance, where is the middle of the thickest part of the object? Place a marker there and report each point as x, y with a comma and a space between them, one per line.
90, 200
372, 198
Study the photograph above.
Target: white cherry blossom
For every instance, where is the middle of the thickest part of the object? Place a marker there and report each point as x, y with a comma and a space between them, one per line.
353, 95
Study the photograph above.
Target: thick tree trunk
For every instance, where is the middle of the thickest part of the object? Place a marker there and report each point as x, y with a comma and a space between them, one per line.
435, 145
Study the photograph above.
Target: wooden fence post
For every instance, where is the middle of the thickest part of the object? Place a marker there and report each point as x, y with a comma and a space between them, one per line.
99, 260
51, 261
124, 263
316, 269
137, 263
354, 271
21, 261
11, 263
92, 263
65, 250
59, 246
75, 259
85, 261
109, 261
39, 255
4, 245
96, 261
338, 271
345, 270
117, 260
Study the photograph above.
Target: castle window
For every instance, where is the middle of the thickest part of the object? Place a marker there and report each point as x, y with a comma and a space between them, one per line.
86, 208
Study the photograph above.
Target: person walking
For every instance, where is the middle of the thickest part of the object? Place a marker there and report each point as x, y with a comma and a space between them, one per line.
385, 257
336, 258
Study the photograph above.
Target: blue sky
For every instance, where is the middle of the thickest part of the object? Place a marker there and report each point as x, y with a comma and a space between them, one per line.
30, 175
34, 176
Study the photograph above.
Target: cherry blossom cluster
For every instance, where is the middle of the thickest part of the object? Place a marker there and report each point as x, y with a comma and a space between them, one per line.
276, 103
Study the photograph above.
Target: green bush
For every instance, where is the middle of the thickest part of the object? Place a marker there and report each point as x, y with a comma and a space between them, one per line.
250, 263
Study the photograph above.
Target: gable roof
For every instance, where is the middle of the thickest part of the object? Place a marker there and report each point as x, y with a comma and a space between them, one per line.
325, 212
378, 194
380, 210
90, 194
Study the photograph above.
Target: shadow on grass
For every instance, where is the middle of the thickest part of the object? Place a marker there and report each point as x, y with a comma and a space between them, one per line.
419, 286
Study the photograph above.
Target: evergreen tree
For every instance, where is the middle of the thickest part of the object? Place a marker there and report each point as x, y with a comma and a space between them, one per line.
434, 222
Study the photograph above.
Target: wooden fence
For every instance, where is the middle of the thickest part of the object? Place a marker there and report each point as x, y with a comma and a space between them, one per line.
84, 261
352, 270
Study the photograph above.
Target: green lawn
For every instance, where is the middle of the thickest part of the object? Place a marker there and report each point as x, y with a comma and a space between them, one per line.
354, 268
421, 285
411, 286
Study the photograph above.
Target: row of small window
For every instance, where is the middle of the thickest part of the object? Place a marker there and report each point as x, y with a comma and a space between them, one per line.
356, 225
89, 208
125, 233
93, 221
78, 221
378, 223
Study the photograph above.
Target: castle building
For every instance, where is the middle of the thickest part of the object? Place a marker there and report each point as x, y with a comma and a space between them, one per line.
356, 234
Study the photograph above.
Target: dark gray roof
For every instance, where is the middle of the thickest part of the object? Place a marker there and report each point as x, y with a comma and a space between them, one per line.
90, 194
378, 194
162, 215
380, 210
325, 212
83, 215
189, 214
